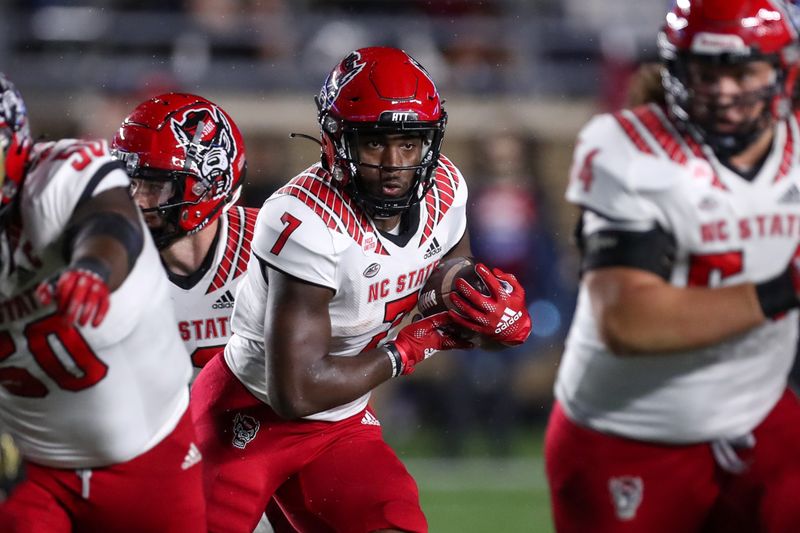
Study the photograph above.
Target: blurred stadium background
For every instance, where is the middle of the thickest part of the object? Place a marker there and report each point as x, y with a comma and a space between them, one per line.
519, 77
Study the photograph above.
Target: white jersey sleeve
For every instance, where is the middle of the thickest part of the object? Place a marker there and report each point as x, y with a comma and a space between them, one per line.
311, 254
75, 171
613, 178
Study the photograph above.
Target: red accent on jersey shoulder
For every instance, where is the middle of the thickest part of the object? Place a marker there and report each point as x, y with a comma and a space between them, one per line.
788, 154
630, 130
250, 215
440, 197
237, 246
657, 126
335, 208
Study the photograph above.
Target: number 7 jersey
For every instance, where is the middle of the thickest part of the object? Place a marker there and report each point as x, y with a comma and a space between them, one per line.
634, 171
314, 231
83, 396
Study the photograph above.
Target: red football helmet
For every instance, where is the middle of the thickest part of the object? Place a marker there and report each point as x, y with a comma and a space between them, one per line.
729, 32
188, 150
15, 141
379, 90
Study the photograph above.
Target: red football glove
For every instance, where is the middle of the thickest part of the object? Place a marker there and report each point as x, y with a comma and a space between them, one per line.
80, 293
423, 338
502, 317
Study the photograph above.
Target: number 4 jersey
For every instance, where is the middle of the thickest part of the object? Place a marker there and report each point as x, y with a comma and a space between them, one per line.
634, 171
83, 396
315, 232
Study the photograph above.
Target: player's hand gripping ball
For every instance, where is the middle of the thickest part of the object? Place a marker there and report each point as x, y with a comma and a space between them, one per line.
500, 316
434, 298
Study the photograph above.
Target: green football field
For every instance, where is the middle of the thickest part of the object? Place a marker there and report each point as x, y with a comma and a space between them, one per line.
483, 495
477, 493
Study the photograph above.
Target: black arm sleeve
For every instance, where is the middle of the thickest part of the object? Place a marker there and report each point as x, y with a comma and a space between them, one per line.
110, 224
653, 250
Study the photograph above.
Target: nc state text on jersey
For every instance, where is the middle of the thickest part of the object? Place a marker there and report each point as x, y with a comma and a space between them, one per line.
755, 227
404, 282
205, 328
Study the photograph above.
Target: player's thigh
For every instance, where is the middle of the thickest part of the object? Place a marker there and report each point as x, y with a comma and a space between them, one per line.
33, 509
606, 484
765, 496
240, 466
160, 490
359, 485
778, 445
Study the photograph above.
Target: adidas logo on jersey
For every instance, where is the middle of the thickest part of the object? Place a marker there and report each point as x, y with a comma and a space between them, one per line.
370, 420
224, 302
433, 249
792, 196
193, 457
509, 317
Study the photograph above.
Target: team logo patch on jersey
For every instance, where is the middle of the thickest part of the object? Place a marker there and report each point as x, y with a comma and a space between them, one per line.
700, 169
626, 494
708, 204
369, 243
372, 270
245, 428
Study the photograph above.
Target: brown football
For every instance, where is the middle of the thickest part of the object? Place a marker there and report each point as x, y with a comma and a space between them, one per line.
433, 298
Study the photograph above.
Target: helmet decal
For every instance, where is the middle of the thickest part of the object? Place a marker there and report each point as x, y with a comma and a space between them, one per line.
13, 114
205, 136
15, 141
351, 66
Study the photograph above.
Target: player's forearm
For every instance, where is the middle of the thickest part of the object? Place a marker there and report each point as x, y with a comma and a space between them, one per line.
664, 318
329, 382
108, 252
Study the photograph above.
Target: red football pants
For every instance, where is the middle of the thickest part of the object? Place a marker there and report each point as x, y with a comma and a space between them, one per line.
150, 493
604, 484
326, 476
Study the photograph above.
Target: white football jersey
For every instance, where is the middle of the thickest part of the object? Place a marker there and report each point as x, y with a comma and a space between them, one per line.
633, 170
83, 396
204, 310
315, 232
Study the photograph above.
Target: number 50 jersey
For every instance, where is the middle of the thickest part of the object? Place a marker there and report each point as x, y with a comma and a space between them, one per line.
634, 171
315, 232
83, 396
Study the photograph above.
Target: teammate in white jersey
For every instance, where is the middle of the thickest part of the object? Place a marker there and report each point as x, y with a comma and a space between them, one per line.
339, 256
673, 412
94, 388
187, 162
